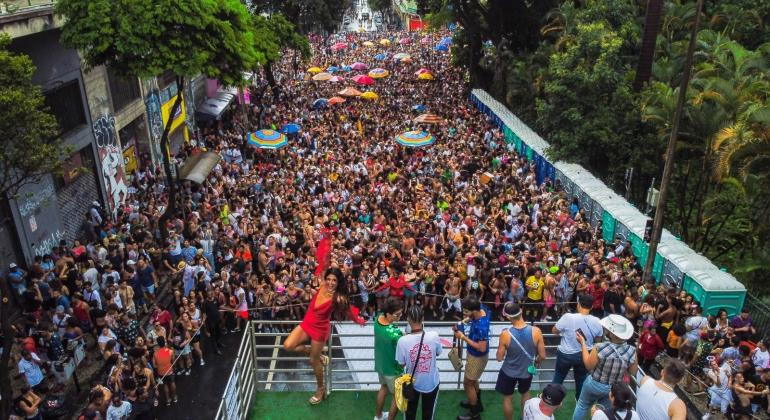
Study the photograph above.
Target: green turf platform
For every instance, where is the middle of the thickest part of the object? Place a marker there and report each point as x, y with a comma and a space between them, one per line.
359, 405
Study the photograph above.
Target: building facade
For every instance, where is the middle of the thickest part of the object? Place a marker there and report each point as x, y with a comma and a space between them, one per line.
101, 115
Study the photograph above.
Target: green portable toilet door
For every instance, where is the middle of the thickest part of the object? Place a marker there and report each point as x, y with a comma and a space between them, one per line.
608, 227
639, 247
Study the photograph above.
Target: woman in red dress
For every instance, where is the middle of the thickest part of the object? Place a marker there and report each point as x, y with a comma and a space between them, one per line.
331, 300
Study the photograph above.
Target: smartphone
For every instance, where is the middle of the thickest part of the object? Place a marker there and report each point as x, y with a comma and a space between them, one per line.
580, 333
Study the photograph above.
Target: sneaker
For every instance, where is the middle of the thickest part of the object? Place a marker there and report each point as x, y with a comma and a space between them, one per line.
187, 372
384, 416
175, 400
203, 363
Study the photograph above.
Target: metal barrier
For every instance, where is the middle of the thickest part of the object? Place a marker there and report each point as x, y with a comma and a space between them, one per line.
250, 374
242, 383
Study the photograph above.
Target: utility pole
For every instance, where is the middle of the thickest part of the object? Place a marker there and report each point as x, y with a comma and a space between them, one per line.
660, 209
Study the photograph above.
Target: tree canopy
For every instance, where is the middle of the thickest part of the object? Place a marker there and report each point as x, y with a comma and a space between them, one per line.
29, 135
567, 68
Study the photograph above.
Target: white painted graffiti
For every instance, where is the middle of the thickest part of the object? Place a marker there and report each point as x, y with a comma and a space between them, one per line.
32, 202
48, 243
112, 171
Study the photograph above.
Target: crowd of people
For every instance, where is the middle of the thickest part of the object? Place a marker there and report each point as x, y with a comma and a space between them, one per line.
344, 214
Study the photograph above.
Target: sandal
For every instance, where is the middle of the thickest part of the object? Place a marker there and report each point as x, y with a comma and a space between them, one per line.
324, 360
315, 400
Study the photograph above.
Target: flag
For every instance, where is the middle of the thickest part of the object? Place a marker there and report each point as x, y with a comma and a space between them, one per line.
360, 128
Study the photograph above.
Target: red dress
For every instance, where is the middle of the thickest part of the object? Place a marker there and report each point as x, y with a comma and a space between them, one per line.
317, 321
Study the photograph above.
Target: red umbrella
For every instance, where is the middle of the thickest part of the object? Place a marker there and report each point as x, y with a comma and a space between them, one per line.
339, 46
421, 71
362, 79
336, 100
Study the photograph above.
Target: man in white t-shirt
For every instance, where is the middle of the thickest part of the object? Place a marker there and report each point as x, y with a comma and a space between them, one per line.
118, 409
543, 407
568, 354
425, 371
760, 356
694, 324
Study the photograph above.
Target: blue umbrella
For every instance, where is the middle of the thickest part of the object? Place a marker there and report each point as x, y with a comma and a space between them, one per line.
451, 26
290, 129
418, 108
320, 103
332, 69
447, 40
380, 57
441, 47
347, 69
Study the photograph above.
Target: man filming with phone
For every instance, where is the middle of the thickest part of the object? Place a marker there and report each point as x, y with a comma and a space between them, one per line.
568, 353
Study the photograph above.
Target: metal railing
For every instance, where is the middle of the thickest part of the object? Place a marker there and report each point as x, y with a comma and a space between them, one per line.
242, 383
250, 374
10, 7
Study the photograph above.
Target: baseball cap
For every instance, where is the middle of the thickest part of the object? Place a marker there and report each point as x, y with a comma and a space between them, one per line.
553, 394
12, 266
60, 309
130, 262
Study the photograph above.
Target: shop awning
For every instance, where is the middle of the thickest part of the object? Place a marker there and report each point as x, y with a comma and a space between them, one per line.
212, 108
197, 168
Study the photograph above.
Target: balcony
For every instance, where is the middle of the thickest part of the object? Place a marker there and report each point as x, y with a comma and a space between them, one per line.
25, 17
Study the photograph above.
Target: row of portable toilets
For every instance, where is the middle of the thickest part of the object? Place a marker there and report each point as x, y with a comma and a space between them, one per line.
675, 263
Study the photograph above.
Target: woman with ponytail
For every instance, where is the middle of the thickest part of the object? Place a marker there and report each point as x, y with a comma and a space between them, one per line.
331, 301
623, 402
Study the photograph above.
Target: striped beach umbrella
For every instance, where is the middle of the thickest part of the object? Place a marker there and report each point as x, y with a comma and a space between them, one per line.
415, 139
267, 139
429, 119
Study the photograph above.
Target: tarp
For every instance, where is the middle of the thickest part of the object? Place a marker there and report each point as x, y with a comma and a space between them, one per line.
198, 167
212, 108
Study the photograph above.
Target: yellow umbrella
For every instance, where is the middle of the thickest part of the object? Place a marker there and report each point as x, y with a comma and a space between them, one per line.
425, 76
322, 77
314, 70
370, 95
368, 44
379, 73
385, 42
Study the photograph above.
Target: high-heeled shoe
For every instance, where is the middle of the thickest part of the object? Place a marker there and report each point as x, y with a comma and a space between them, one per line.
314, 400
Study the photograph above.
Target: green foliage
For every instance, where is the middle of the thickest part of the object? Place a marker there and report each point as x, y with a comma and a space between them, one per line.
29, 136
379, 5
307, 15
146, 38
274, 33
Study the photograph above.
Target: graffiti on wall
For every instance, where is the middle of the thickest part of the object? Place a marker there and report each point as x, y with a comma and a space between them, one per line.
48, 243
155, 122
111, 159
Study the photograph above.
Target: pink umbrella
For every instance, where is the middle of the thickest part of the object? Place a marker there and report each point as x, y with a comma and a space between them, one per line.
359, 66
336, 79
421, 71
425, 41
339, 46
362, 79
405, 41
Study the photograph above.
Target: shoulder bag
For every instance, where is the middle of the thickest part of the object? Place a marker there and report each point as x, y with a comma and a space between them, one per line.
407, 389
455, 357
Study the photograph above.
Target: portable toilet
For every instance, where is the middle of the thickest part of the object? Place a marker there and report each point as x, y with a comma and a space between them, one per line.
715, 290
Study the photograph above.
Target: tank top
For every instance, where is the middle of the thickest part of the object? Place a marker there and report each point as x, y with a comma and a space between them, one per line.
516, 362
652, 402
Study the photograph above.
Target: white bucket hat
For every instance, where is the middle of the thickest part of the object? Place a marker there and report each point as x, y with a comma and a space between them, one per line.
619, 326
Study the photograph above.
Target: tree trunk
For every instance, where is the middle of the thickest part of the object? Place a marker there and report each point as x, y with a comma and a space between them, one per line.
647, 52
165, 152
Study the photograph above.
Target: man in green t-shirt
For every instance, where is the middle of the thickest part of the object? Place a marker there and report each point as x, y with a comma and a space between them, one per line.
386, 335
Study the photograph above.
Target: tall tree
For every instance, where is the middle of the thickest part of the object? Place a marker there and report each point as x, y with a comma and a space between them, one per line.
647, 53
30, 147
275, 35
147, 38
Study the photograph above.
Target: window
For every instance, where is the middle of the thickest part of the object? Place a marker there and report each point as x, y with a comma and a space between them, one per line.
66, 105
124, 90
80, 162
